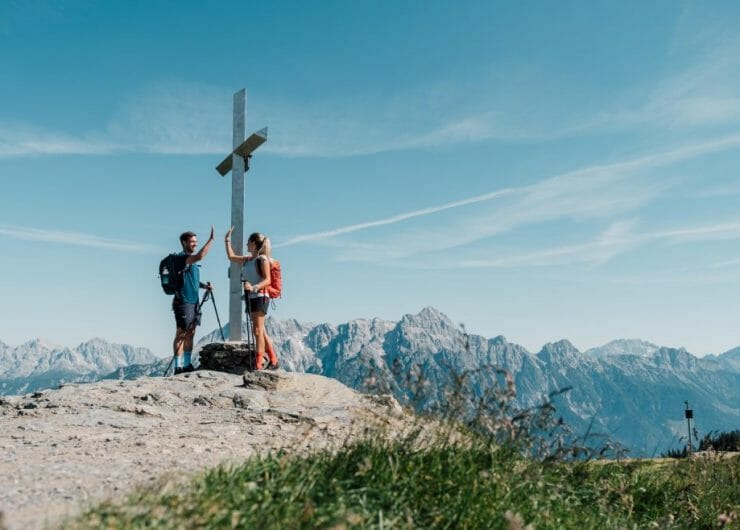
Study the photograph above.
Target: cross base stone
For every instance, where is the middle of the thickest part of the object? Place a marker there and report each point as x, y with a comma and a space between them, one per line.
232, 357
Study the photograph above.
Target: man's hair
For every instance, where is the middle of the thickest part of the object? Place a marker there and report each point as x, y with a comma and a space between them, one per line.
185, 236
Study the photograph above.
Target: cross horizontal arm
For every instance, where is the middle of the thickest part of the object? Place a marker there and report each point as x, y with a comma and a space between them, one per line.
246, 148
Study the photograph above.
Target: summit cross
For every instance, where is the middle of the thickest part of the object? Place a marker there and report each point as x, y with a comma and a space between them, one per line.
238, 163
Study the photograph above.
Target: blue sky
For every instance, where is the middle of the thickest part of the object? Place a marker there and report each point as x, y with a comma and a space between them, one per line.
541, 170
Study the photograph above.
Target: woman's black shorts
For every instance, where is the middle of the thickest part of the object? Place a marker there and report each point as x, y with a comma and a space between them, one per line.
258, 304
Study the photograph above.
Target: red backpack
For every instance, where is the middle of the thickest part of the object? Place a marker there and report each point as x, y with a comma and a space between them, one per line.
275, 289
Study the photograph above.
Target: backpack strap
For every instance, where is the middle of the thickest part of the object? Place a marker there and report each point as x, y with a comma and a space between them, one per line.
257, 261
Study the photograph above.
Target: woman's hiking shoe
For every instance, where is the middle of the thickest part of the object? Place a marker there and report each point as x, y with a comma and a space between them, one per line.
179, 370
273, 366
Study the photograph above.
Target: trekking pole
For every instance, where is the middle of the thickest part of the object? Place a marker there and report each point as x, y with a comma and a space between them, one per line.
250, 331
251, 342
218, 319
166, 370
248, 324
203, 300
247, 318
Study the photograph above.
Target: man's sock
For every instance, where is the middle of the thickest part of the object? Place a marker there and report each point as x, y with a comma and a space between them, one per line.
188, 357
178, 361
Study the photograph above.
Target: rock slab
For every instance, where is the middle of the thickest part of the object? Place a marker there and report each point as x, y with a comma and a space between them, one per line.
62, 450
229, 357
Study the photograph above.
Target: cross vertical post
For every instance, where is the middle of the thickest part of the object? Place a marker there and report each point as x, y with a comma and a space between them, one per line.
237, 216
238, 163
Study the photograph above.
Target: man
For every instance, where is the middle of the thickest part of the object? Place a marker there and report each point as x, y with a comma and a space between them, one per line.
185, 303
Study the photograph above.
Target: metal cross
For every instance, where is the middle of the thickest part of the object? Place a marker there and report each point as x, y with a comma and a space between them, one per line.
238, 163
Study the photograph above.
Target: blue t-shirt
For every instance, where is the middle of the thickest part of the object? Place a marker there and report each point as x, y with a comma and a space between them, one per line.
190, 282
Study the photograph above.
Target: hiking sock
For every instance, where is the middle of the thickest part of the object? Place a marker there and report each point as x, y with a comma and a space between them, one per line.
270, 352
178, 361
258, 364
188, 357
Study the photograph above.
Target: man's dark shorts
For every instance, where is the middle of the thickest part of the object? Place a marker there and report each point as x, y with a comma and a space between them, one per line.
258, 304
187, 316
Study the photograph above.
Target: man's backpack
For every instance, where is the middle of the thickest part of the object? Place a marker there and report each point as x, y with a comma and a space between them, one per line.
170, 273
275, 289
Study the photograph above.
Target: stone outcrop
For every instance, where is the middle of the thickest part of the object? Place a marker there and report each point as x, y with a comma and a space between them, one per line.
61, 450
229, 357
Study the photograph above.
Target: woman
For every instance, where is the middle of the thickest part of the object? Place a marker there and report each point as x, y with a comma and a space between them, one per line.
256, 268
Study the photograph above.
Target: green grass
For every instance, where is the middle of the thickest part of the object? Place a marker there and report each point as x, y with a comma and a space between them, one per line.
376, 484
464, 469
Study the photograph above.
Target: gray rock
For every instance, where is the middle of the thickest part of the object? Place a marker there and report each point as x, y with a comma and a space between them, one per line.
229, 357
84, 443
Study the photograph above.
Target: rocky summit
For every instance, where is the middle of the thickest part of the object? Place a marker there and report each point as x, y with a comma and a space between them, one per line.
61, 450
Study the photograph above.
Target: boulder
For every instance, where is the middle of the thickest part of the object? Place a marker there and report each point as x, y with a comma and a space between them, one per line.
230, 357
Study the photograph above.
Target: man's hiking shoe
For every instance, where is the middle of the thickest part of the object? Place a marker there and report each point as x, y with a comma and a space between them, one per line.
188, 368
179, 370
273, 366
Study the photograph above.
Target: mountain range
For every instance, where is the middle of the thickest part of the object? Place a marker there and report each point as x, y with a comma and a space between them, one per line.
39, 364
630, 390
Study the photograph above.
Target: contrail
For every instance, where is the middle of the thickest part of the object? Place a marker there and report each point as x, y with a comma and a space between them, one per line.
398, 218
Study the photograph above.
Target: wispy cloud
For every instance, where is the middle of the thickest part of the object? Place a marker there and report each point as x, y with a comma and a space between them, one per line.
22, 139
612, 242
617, 239
597, 191
714, 232
176, 117
163, 118
721, 190
186, 119
74, 238
699, 95
727, 264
